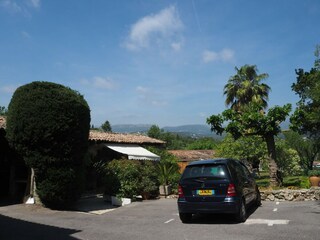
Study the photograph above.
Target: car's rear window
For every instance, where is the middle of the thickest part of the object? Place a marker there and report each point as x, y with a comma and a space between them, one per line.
198, 171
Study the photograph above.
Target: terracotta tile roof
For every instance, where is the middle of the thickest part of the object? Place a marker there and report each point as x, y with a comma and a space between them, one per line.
111, 137
122, 138
2, 122
192, 155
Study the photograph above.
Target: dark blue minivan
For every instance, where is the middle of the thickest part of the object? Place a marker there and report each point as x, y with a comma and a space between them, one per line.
217, 186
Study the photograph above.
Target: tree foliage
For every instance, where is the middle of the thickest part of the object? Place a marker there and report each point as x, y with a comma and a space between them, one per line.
155, 132
254, 122
178, 141
248, 97
245, 87
308, 149
48, 124
123, 178
168, 167
106, 126
288, 159
252, 149
3, 111
306, 118
205, 143
173, 140
251, 122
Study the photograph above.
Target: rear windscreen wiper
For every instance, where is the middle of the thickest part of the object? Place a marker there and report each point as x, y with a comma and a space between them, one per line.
200, 180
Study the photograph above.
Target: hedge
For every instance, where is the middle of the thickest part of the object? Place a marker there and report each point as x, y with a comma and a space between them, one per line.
48, 124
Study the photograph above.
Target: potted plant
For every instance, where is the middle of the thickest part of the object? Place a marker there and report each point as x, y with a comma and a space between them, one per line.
314, 177
165, 171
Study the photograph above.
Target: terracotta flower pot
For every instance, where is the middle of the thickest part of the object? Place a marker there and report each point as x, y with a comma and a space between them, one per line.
145, 195
314, 181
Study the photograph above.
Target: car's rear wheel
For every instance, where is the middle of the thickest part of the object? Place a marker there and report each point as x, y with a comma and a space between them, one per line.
241, 216
185, 217
258, 199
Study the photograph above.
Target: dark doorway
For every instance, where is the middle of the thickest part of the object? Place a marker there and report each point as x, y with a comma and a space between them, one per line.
13, 173
4, 166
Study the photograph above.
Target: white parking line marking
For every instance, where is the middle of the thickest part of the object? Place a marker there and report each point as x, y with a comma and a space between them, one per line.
97, 212
267, 221
169, 220
277, 203
275, 209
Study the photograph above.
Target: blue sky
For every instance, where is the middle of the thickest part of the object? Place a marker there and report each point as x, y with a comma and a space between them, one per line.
155, 62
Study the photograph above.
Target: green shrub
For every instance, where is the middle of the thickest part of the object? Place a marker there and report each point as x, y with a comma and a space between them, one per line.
291, 182
48, 124
122, 178
299, 182
111, 180
287, 159
304, 182
149, 183
263, 182
314, 172
296, 181
128, 178
58, 189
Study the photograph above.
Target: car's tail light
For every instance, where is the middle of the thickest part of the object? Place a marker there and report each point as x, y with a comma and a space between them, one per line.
231, 192
180, 192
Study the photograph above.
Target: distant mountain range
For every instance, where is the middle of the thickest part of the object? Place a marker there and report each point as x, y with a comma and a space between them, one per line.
194, 130
130, 128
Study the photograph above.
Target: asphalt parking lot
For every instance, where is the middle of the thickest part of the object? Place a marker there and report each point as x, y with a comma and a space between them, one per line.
158, 219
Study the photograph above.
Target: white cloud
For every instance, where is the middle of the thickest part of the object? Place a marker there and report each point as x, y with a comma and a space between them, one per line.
18, 6
142, 90
25, 34
10, 5
203, 115
100, 82
225, 55
159, 103
105, 83
35, 3
164, 25
8, 89
209, 56
149, 97
176, 46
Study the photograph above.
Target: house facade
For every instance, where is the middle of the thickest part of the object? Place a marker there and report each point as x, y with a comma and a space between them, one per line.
17, 180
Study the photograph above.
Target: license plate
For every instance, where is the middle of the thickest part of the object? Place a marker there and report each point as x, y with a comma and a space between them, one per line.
205, 192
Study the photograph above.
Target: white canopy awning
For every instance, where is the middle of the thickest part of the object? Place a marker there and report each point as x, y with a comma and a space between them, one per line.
133, 151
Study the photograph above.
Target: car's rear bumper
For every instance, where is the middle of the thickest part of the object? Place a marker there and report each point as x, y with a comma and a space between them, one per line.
230, 205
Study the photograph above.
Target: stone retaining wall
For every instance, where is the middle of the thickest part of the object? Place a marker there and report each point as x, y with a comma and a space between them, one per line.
291, 195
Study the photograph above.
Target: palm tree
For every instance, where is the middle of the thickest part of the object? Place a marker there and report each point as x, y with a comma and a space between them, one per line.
245, 87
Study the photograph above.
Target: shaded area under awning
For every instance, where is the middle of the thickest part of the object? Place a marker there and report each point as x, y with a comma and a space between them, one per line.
134, 152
